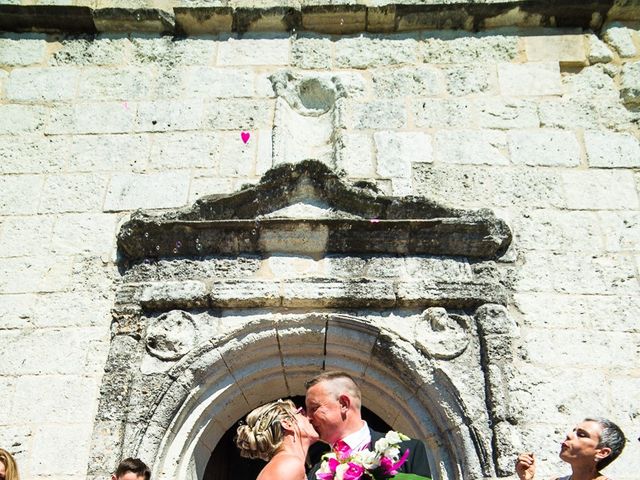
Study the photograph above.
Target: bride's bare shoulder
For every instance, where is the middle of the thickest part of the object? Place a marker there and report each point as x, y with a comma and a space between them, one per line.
283, 467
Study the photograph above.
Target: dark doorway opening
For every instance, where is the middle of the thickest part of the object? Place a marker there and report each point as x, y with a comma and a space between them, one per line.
226, 463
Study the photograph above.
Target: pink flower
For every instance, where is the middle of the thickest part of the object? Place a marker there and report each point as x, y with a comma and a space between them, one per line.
343, 451
324, 476
389, 469
354, 472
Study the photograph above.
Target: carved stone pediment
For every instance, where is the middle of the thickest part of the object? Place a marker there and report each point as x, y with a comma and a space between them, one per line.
307, 208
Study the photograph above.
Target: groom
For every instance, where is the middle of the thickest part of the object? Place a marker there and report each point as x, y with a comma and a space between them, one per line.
333, 403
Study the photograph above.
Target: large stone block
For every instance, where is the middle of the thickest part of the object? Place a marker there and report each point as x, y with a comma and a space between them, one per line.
576, 273
100, 50
15, 313
471, 146
598, 52
544, 147
439, 113
630, 84
73, 193
104, 117
238, 114
154, 190
367, 52
75, 397
22, 50
172, 51
20, 119
266, 51
507, 113
72, 436
354, 155
237, 158
612, 150
20, 194
42, 84
581, 312
487, 49
414, 81
92, 233
600, 190
100, 153
556, 347
209, 184
212, 82
591, 82
245, 294
621, 230
162, 116
328, 293
378, 114
186, 149
559, 230
33, 154
471, 79
529, 79
478, 186
622, 41
71, 309
120, 83
396, 151
568, 50
23, 350
588, 114
311, 52
437, 270
22, 236
549, 390
187, 294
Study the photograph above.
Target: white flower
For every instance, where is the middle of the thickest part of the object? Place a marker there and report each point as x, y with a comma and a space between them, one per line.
368, 459
393, 437
382, 445
392, 452
340, 469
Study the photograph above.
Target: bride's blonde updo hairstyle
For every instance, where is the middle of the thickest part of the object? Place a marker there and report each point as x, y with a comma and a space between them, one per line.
262, 434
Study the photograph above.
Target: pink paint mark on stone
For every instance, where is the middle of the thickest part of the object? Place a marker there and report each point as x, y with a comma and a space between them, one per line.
245, 136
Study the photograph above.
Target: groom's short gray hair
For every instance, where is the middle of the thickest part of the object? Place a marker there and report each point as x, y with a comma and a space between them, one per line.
342, 380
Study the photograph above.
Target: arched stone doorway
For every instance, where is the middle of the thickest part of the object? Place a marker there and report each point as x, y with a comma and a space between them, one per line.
239, 300
220, 381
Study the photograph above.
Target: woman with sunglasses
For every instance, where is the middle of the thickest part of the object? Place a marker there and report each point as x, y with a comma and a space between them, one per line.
281, 434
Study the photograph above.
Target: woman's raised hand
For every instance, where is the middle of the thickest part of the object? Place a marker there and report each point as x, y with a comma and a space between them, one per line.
526, 466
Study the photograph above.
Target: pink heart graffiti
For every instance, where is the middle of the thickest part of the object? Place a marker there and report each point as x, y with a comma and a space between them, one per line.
245, 136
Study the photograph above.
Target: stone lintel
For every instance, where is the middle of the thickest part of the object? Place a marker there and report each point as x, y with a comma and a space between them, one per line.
330, 19
46, 18
133, 20
203, 20
344, 19
468, 236
315, 293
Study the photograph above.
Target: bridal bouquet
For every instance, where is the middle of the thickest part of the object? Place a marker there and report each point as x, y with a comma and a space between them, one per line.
381, 463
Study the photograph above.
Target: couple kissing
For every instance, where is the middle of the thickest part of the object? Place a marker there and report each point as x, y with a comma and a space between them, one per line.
281, 434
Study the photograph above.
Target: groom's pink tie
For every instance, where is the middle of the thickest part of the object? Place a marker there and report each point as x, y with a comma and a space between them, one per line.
342, 449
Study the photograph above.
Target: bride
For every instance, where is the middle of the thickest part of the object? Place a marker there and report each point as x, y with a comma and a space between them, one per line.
280, 434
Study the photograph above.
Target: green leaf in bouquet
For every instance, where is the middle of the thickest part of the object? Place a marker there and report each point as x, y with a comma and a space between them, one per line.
409, 476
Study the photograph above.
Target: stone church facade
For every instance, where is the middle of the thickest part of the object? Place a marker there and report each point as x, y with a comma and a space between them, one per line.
203, 204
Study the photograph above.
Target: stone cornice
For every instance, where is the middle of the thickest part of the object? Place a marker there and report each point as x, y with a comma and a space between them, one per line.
329, 216
241, 16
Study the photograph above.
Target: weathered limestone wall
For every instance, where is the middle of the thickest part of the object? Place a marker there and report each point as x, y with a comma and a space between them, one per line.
539, 125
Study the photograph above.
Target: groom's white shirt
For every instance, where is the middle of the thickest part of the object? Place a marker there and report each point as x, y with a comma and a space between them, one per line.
359, 440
